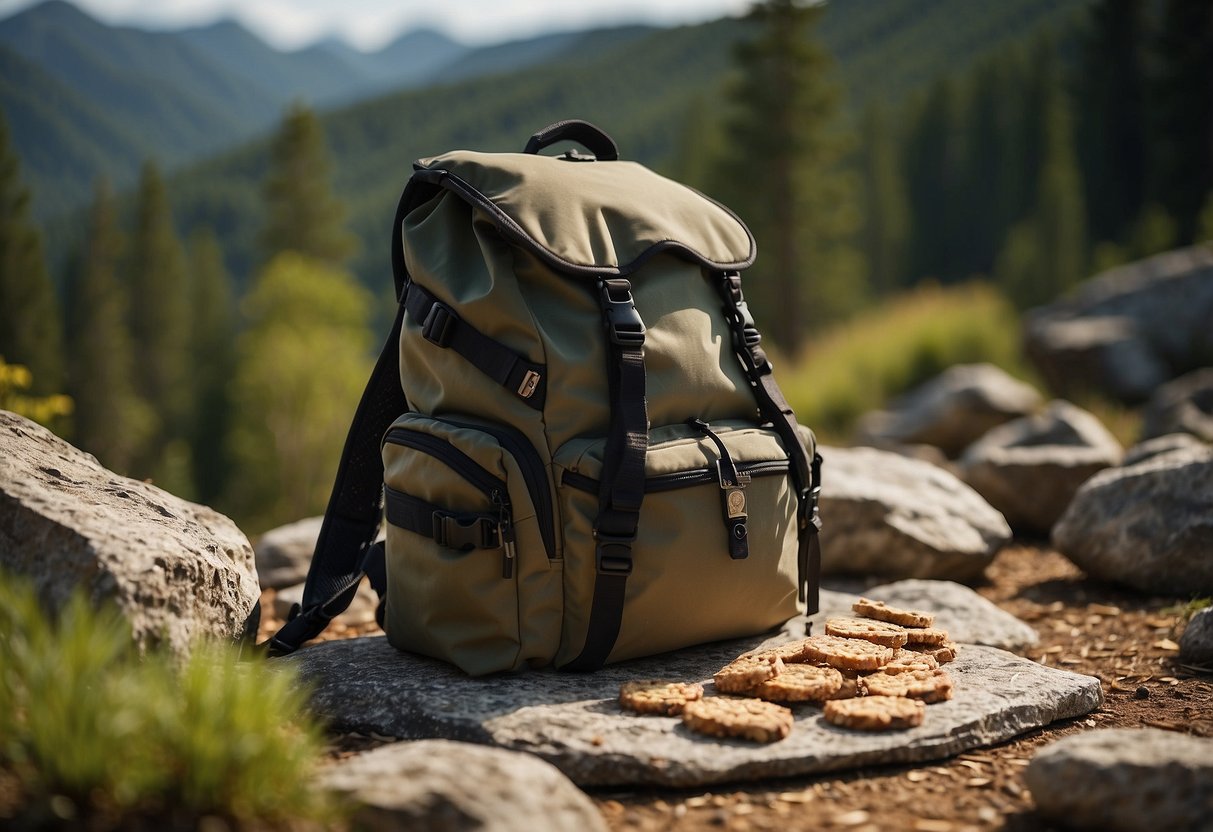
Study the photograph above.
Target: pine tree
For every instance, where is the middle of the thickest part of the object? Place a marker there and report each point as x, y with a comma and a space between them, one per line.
30, 325
159, 318
886, 205
1181, 97
1001, 184
936, 165
1060, 212
302, 363
782, 175
110, 420
213, 359
302, 214
1112, 116
1047, 253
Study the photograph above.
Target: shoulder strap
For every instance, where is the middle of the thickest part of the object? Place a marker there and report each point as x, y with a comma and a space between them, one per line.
806, 471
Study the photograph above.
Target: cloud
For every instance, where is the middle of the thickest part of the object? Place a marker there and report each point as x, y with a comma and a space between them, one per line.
372, 23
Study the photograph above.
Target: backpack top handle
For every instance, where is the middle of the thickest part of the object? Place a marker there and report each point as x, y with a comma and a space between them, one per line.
585, 134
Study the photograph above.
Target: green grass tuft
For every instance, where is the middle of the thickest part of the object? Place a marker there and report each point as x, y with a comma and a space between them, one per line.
905, 341
93, 733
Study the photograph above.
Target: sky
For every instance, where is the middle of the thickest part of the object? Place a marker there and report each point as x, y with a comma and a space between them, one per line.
369, 24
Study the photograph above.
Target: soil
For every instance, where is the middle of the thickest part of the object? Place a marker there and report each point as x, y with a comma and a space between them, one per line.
1127, 640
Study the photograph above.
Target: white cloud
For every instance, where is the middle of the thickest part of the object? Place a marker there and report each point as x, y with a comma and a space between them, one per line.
371, 23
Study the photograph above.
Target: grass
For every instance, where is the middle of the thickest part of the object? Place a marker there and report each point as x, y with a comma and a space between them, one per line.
96, 736
893, 347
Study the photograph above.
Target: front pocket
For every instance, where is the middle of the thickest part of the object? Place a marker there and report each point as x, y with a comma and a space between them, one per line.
464, 544
691, 582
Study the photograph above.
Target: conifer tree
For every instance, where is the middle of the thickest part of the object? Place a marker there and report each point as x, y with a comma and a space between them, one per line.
937, 156
159, 315
30, 324
1060, 212
1047, 253
1112, 116
1181, 97
886, 207
110, 421
782, 175
212, 358
997, 170
302, 214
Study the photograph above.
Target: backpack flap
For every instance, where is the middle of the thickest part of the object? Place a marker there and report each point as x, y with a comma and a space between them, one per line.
589, 217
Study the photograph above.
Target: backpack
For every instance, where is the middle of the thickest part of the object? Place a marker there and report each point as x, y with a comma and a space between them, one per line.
573, 432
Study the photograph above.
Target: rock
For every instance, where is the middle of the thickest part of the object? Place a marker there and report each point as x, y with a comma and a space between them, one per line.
1106, 353
1125, 780
897, 517
1184, 405
1149, 525
1128, 330
951, 410
1030, 468
966, 616
1196, 643
443, 786
178, 571
573, 720
360, 611
285, 553
1160, 445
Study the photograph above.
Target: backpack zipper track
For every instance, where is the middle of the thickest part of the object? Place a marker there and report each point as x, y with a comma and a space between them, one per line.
681, 479
534, 472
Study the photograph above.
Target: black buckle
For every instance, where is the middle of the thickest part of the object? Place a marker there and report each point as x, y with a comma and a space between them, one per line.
613, 554
437, 325
622, 321
746, 337
465, 532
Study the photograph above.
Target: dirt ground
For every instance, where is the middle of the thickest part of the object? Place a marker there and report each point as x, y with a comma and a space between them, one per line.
1126, 640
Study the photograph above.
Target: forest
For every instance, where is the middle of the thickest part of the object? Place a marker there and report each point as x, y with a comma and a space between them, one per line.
211, 327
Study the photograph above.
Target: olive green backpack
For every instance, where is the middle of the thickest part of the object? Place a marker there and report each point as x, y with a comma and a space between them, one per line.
573, 434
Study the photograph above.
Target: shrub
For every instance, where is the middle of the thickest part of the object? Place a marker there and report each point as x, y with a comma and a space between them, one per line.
93, 734
897, 345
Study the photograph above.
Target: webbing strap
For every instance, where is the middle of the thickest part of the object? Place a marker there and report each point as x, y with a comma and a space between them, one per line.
806, 472
622, 490
456, 530
443, 327
346, 549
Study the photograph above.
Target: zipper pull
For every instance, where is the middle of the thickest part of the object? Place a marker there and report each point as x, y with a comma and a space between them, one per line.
732, 494
505, 528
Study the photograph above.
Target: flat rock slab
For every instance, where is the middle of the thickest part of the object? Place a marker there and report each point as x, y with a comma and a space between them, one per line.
574, 722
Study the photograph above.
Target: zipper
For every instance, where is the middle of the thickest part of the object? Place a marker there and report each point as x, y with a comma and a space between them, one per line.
733, 508
491, 486
681, 479
534, 475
